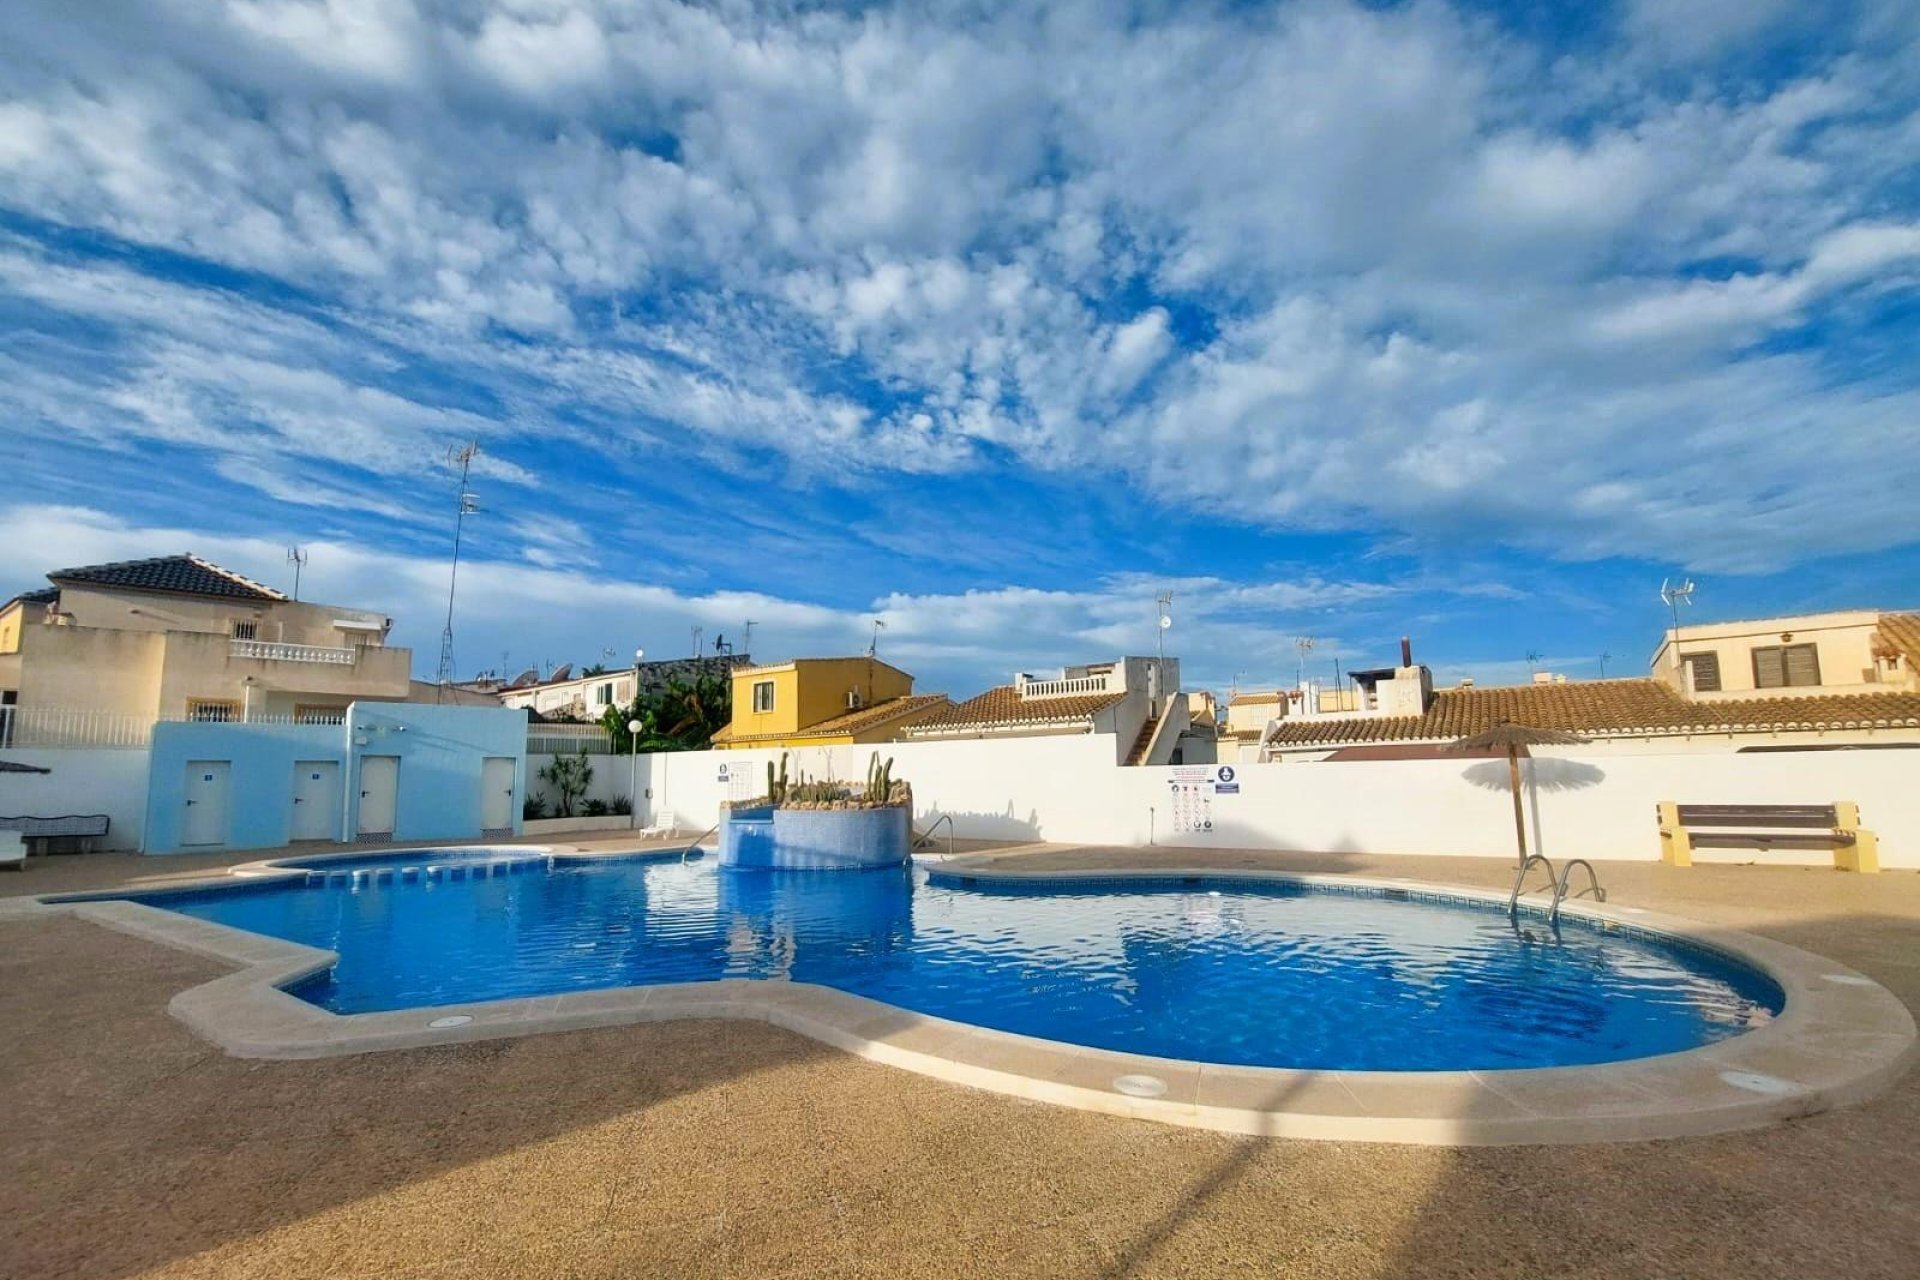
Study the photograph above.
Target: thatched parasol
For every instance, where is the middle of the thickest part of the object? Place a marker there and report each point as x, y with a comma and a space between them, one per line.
1511, 737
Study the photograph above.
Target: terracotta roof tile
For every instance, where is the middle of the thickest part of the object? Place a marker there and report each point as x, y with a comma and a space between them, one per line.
175, 575
1003, 705
852, 722
1604, 707
1243, 699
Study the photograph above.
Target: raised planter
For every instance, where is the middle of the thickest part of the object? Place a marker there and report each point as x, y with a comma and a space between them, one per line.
815, 839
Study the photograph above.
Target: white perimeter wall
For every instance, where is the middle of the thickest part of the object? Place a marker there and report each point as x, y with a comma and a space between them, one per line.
610, 775
84, 780
1590, 805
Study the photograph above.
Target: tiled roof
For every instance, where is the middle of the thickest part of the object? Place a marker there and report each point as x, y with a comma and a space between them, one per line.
852, 722
1003, 705
1243, 699
1902, 631
1606, 707
45, 595
174, 575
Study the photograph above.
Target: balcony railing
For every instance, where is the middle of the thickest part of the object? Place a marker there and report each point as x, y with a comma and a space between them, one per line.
1074, 687
273, 651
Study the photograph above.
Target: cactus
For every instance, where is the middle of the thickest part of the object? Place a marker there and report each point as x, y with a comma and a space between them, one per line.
777, 783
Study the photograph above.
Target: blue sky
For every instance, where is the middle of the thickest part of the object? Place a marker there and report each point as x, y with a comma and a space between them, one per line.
991, 322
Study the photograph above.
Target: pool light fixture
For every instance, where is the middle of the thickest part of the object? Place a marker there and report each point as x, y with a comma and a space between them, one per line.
450, 1021
1140, 1086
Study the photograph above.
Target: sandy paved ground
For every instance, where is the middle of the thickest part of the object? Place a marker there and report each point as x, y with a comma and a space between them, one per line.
128, 1148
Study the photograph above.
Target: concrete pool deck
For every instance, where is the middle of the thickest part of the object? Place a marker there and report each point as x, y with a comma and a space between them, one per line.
767, 1153
1840, 1039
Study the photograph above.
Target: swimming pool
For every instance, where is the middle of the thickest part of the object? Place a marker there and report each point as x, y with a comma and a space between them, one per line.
1270, 973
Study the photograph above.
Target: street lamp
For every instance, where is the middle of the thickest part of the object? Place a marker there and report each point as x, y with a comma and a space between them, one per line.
633, 748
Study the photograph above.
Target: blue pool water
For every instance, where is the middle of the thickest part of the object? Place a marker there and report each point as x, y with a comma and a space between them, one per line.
1275, 974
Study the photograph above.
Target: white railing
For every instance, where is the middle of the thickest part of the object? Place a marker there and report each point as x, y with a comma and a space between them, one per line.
56, 727
1076, 686
565, 739
274, 651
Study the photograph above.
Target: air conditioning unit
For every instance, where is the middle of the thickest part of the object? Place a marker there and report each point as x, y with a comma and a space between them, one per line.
854, 700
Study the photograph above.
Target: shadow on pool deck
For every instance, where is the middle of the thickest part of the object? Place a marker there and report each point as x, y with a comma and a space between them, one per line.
131, 1149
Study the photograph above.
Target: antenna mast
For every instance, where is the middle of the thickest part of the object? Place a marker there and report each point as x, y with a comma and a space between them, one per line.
461, 457
1673, 597
873, 645
297, 557
746, 642
1303, 645
1163, 608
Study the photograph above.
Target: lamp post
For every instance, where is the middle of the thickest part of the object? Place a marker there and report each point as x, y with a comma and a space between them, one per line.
633, 748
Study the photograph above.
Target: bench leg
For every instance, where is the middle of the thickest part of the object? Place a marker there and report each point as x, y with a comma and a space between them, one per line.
1864, 853
1676, 845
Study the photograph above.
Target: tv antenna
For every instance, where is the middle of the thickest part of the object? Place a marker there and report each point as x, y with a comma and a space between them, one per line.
873, 645
746, 638
468, 505
1673, 597
1163, 614
297, 557
698, 632
1533, 661
1303, 645
1603, 664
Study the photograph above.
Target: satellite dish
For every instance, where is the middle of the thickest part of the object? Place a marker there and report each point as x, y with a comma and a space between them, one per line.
530, 676
566, 670
1165, 622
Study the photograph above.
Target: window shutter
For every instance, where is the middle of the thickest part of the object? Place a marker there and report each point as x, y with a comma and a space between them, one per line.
1705, 669
1769, 669
1802, 665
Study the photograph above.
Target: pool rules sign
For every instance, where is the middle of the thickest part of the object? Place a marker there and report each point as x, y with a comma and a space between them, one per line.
1194, 787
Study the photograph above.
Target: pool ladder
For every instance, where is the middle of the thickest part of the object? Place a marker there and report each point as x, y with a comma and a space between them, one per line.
1559, 886
689, 850
921, 839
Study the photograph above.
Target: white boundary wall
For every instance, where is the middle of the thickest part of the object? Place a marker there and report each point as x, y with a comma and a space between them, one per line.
1590, 805
105, 780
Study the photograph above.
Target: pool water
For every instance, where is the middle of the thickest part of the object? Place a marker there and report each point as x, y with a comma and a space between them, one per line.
1227, 971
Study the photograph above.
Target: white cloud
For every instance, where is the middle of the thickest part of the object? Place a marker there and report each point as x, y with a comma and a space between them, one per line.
1326, 265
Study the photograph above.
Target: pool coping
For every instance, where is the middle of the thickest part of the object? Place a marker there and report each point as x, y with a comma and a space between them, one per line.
1840, 1039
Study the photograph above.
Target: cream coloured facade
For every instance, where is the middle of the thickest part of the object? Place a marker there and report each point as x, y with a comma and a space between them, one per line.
177, 638
1852, 651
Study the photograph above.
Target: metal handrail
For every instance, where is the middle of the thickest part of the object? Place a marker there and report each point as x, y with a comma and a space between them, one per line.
1566, 878
926, 837
696, 843
1513, 899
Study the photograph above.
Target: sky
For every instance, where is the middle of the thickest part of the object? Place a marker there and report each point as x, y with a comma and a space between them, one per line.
1468, 322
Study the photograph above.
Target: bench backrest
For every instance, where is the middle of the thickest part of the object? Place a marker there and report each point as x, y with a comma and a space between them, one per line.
1808, 816
71, 824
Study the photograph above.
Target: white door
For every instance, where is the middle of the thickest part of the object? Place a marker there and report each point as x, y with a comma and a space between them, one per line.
379, 782
206, 817
496, 794
316, 800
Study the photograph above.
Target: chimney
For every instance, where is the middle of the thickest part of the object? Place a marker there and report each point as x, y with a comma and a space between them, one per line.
1406, 651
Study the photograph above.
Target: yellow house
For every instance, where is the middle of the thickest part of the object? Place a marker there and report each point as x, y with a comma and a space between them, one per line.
818, 702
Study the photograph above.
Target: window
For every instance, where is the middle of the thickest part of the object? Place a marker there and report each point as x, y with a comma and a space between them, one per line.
1703, 671
245, 630
603, 696
208, 710
762, 695
1786, 666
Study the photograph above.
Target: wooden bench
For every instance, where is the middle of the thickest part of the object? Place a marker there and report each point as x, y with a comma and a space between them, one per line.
73, 832
1686, 827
